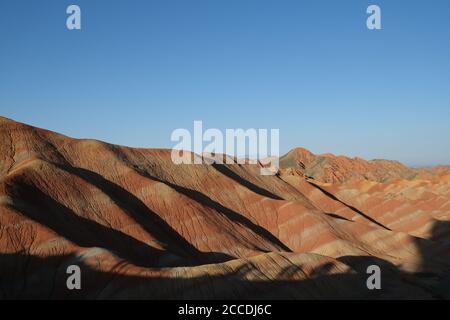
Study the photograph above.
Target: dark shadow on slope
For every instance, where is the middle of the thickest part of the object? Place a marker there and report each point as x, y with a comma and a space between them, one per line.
230, 214
25, 276
151, 222
435, 259
333, 215
31, 277
39, 207
332, 196
222, 168
206, 201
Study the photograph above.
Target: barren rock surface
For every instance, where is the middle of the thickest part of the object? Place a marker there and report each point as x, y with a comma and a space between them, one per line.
337, 169
140, 226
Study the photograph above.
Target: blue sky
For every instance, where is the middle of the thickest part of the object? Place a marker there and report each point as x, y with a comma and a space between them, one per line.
140, 69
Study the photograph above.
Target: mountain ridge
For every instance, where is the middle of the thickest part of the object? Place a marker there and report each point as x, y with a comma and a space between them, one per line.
140, 226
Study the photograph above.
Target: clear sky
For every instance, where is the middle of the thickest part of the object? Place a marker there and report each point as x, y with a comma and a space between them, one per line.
137, 70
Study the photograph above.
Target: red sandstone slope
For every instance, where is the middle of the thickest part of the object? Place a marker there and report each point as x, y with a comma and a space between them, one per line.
140, 226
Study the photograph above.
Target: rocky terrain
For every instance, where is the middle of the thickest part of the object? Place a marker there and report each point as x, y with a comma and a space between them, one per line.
140, 226
337, 169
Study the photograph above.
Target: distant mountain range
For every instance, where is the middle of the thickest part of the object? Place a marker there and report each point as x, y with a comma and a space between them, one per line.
338, 169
